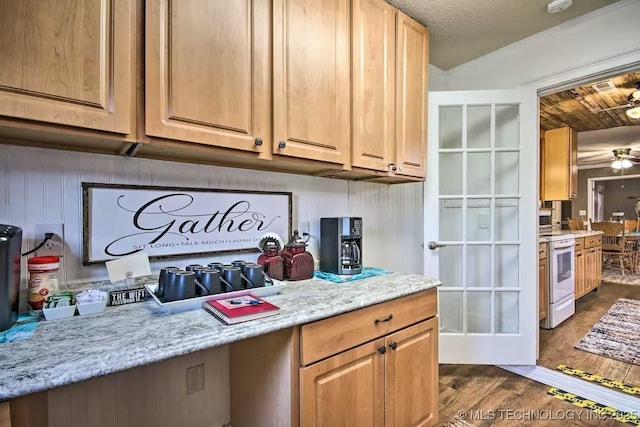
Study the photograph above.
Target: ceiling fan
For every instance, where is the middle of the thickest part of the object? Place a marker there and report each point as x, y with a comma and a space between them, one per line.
623, 159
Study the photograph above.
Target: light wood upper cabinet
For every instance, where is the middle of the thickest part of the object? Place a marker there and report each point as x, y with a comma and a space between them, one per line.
411, 96
207, 75
411, 366
311, 79
373, 58
560, 164
389, 114
69, 62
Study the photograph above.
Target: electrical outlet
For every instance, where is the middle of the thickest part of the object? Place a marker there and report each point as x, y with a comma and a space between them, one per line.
195, 379
582, 212
55, 245
304, 227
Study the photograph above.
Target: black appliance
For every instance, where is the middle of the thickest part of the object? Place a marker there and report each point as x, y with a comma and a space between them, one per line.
10, 265
341, 245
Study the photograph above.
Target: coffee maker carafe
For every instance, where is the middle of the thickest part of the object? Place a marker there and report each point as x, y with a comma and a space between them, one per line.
341, 245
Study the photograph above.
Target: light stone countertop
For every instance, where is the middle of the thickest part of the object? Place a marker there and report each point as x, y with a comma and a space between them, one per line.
576, 233
82, 347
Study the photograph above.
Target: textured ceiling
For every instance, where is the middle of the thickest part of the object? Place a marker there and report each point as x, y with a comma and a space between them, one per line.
462, 30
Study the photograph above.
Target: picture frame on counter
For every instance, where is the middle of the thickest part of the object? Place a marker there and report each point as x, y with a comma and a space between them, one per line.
121, 220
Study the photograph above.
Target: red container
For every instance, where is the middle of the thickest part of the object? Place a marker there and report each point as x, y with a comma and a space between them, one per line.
298, 263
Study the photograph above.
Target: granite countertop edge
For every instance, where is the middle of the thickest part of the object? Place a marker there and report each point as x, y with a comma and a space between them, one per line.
78, 348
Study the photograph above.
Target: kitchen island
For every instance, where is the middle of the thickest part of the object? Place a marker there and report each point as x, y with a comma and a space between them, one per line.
146, 367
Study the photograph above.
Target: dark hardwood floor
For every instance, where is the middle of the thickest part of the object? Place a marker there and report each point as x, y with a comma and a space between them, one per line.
557, 345
473, 391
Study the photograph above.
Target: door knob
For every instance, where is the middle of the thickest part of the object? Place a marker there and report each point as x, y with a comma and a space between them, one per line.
382, 349
393, 345
258, 142
282, 144
433, 245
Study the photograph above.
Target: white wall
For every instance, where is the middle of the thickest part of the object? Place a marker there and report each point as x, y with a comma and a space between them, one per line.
40, 186
601, 40
437, 78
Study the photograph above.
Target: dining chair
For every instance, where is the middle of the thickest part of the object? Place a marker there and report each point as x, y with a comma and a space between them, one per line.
615, 245
575, 223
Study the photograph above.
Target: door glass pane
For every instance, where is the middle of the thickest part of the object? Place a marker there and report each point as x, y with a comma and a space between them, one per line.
507, 124
479, 126
450, 311
478, 219
450, 173
507, 266
451, 127
451, 266
479, 266
479, 173
507, 313
451, 220
507, 219
479, 312
507, 172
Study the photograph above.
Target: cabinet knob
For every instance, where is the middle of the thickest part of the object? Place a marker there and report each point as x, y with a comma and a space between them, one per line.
258, 142
386, 319
282, 145
393, 167
382, 349
393, 345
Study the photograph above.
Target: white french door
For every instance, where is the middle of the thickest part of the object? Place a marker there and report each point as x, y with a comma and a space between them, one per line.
480, 224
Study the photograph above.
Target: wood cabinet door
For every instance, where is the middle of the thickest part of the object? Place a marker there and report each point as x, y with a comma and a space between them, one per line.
573, 166
598, 266
373, 55
311, 79
579, 274
207, 74
411, 96
543, 292
346, 389
69, 62
592, 270
560, 164
412, 376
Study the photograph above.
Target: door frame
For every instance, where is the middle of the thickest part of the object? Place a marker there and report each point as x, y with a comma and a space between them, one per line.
563, 80
591, 182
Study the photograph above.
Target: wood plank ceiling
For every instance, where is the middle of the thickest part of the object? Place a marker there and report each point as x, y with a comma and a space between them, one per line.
585, 109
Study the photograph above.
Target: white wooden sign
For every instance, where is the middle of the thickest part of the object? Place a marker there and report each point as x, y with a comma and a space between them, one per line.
121, 220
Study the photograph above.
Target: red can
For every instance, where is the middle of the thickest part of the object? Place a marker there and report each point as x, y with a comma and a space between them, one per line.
43, 279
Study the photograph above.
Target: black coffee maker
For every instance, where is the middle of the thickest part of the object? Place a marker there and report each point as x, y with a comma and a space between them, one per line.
341, 245
10, 265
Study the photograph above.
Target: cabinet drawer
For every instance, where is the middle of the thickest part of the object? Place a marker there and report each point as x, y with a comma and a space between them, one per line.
330, 336
591, 241
579, 244
542, 250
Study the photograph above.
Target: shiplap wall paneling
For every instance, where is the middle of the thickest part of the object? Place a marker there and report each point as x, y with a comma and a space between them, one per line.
40, 186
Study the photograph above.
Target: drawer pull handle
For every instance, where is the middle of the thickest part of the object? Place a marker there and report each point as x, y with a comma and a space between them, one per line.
393, 345
386, 319
382, 349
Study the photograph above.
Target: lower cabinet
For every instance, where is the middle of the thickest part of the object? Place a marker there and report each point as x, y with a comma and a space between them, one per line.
385, 382
588, 265
543, 280
376, 366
